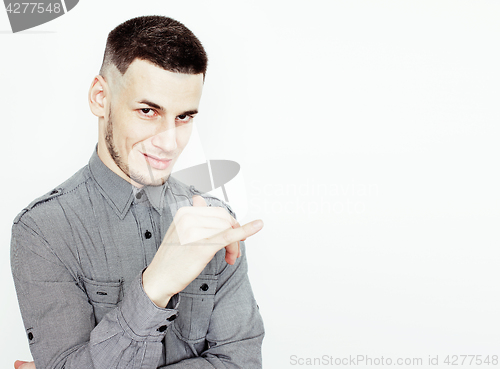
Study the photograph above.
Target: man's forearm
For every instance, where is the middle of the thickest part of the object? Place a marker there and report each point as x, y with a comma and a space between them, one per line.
242, 354
132, 332
59, 317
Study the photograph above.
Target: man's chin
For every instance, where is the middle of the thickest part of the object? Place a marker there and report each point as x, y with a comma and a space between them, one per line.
146, 180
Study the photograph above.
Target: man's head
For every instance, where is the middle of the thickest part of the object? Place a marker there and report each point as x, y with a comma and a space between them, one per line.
160, 40
146, 95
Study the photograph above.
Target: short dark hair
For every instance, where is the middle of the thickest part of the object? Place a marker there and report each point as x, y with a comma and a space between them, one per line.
160, 40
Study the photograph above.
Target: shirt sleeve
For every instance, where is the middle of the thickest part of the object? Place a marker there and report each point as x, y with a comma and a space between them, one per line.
59, 319
61, 329
236, 328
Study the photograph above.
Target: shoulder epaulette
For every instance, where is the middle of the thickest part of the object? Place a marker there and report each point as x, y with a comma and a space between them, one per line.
48, 196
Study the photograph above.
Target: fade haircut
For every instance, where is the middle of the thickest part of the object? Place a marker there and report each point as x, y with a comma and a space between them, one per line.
160, 40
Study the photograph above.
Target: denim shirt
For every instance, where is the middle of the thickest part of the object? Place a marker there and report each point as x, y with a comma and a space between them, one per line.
77, 257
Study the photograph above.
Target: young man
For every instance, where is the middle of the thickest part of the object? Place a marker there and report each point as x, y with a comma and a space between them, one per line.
122, 266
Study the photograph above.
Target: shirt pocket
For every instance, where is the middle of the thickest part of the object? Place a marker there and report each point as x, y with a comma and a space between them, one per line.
195, 308
104, 296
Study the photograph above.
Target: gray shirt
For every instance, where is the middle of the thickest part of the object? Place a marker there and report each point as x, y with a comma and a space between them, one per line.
77, 258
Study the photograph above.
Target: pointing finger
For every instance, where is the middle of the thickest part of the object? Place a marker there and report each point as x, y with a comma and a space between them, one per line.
237, 234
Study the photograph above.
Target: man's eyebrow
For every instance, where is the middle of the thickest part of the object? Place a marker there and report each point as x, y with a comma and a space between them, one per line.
158, 107
190, 112
152, 104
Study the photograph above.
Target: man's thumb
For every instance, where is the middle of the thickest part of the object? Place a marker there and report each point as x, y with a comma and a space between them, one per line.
199, 201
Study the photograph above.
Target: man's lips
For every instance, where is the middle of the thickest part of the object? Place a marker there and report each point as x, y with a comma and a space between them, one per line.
157, 163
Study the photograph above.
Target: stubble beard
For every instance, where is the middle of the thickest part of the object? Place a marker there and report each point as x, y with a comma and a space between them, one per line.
124, 167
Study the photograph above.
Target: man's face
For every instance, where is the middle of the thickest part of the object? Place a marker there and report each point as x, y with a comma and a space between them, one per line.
149, 121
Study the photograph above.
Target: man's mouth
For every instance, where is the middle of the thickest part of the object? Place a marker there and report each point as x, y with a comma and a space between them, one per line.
157, 163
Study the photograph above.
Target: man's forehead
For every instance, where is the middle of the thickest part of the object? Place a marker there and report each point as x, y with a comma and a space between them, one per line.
143, 70
138, 68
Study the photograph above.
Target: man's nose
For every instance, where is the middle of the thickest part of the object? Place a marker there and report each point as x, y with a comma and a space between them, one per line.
165, 140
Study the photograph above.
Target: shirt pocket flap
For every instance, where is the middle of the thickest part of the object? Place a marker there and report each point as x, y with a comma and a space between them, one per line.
195, 308
102, 292
202, 285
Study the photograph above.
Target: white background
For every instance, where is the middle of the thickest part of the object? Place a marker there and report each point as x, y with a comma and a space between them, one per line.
367, 133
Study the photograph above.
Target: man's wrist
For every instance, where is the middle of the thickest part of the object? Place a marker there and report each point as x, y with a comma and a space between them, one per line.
158, 297
141, 317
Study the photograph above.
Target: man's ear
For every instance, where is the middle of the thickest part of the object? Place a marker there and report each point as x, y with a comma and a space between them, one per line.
97, 96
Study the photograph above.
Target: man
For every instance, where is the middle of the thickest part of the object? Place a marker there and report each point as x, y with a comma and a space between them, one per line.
122, 266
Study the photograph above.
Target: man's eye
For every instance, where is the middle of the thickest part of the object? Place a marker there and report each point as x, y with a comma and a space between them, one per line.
184, 117
149, 112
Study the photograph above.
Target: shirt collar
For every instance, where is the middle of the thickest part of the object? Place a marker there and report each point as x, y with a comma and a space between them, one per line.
118, 191
153, 194
156, 195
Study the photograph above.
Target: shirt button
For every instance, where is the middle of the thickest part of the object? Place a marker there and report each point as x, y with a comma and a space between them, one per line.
147, 235
204, 287
138, 195
30, 336
162, 328
172, 317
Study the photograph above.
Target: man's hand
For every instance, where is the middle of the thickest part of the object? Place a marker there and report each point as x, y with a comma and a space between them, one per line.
194, 237
24, 365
